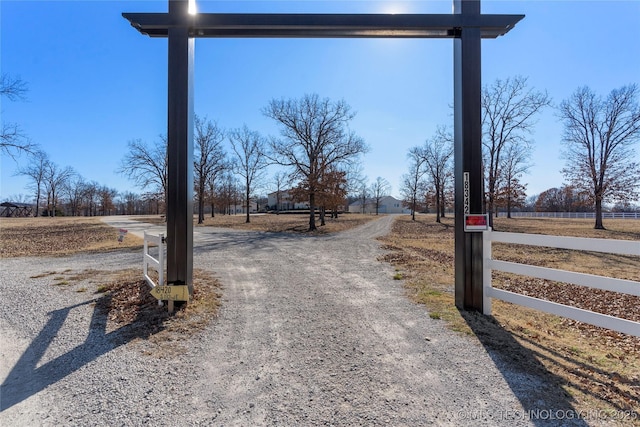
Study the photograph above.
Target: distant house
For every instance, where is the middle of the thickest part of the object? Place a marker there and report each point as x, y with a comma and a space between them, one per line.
285, 202
14, 209
388, 205
241, 209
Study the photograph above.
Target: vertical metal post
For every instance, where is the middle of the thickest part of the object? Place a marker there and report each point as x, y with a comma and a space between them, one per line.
468, 158
180, 150
486, 266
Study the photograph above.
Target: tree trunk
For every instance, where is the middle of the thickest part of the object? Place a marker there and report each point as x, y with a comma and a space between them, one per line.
200, 200
200, 208
489, 199
37, 200
599, 225
312, 212
413, 208
200, 211
248, 200
53, 204
322, 212
437, 205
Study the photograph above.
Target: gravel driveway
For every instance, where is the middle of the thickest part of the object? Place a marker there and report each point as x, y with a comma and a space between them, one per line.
312, 331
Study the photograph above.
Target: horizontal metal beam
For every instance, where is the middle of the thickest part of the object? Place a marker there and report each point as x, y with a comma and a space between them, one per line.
323, 25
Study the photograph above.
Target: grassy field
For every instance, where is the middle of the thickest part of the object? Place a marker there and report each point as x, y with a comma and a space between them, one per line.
597, 368
44, 236
284, 223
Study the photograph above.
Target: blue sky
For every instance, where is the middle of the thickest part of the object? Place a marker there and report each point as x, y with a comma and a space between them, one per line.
95, 83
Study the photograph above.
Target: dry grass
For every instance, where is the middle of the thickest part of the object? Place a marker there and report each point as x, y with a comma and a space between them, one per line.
597, 368
284, 223
59, 236
619, 229
126, 300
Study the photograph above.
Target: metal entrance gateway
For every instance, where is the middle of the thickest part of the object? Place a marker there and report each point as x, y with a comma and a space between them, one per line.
466, 26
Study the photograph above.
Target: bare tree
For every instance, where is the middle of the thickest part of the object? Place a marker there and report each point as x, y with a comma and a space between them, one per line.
363, 192
379, 189
250, 161
131, 203
281, 180
510, 192
438, 153
412, 181
599, 135
210, 158
355, 177
74, 190
55, 180
509, 108
564, 199
146, 165
106, 196
90, 197
315, 138
212, 186
12, 88
13, 141
36, 170
228, 193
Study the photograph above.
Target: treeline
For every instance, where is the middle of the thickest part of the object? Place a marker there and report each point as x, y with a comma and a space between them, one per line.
319, 160
598, 138
60, 190
316, 155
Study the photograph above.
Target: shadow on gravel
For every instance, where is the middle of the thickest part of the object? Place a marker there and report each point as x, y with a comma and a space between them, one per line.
28, 378
252, 241
539, 391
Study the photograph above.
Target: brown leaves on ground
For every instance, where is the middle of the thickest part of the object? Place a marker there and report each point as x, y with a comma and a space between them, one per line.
59, 236
597, 367
129, 306
606, 302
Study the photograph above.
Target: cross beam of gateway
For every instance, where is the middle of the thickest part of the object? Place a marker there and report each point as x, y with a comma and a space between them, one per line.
466, 26
220, 25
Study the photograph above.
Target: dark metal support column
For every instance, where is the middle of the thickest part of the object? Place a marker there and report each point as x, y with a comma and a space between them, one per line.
468, 158
180, 151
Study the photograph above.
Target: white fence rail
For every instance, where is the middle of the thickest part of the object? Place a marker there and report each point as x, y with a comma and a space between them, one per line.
622, 247
150, 261
588, 215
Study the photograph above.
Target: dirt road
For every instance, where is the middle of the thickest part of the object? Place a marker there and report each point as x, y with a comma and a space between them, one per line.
312, 331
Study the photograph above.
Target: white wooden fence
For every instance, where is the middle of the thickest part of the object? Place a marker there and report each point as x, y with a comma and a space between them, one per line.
587, 215
622, 247
157, 264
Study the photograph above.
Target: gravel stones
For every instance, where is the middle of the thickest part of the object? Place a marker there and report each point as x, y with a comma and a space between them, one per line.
312, 331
